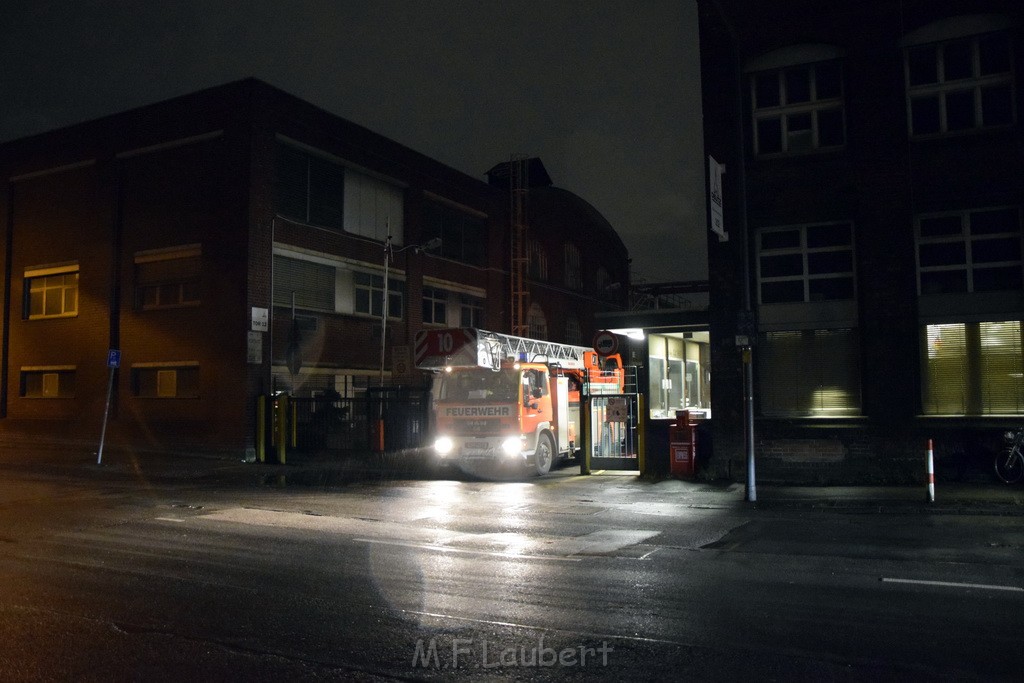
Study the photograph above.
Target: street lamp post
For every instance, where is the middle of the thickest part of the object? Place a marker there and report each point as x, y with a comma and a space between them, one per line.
388, 255
384, 309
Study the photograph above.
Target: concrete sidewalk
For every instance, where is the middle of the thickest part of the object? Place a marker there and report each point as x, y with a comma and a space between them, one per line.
77, 462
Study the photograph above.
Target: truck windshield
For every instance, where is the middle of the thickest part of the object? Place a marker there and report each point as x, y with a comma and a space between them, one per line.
480, 385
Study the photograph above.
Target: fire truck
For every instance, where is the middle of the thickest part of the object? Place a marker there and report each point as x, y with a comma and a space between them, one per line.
501, 399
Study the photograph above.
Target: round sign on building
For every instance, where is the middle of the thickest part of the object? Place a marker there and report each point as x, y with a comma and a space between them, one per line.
606, 343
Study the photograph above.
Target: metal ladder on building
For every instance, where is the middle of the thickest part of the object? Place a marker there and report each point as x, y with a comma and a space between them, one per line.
519, 184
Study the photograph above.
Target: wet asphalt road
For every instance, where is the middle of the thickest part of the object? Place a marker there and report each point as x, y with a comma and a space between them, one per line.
563, 577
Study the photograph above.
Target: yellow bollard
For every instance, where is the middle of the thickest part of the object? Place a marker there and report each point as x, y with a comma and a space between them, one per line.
281, 415
293, 416
261, 428
585, 436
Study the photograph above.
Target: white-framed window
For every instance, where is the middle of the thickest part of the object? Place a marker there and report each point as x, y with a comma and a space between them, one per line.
54, 381
960, 84
51, 292
573, 270
798, 108
538, 259
309, 284
168, 278
369, 295
165, 380
809, 373
974, 368
471, 312
975, 250
537, 322
805, 263
435, 306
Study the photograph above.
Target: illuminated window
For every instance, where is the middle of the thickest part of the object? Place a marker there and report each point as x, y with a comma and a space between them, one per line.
805, 263
969, 251
167, 278
809, 373
675, 375
48, 382
51, 292
964, 83
798, 108
973, 369
165, 380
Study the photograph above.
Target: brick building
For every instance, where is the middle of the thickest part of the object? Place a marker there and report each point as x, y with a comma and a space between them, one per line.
874, 178
223, 239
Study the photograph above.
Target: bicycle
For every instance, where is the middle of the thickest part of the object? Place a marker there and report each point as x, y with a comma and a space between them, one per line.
1010, 461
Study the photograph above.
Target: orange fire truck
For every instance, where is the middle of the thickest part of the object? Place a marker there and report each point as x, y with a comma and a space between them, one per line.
505, 399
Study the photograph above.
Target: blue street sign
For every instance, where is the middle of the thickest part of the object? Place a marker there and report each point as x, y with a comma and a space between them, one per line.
114, 358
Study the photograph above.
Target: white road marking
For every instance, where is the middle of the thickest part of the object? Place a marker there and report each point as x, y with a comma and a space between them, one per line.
954, 584
512, 624
466, 551
169, 519
506, 544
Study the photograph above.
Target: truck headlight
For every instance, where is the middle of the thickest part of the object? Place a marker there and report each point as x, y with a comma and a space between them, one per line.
513, 445
444, 445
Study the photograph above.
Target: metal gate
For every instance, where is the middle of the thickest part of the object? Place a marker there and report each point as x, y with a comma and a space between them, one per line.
614, 440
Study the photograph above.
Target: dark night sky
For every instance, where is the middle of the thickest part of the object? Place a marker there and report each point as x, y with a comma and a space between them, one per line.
606, 92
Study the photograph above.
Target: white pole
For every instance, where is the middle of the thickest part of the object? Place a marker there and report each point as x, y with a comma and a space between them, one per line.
106, 412
384, 310
748, 410
931, 473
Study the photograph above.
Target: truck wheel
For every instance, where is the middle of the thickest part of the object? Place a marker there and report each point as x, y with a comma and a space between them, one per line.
544, 456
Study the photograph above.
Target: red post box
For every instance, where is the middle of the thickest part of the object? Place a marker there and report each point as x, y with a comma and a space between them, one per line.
682, 440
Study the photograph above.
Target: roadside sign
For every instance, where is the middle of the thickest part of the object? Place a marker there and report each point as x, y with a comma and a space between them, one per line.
617, 410
606, 343
715, 171
260, 319
113, 362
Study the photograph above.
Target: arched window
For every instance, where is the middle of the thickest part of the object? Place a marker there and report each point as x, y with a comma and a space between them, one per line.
573, 271
538, 261
537, 322
573, 334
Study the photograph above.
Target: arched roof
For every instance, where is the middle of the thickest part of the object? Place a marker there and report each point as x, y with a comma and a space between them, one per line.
552, 206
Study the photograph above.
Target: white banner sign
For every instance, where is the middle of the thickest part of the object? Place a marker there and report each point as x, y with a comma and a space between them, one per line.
260, 319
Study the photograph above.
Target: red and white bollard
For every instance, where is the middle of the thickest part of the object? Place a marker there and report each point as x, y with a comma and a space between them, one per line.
931, 473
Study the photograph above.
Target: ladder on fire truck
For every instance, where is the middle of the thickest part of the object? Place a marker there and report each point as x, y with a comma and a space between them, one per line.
472, 347
536, 350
